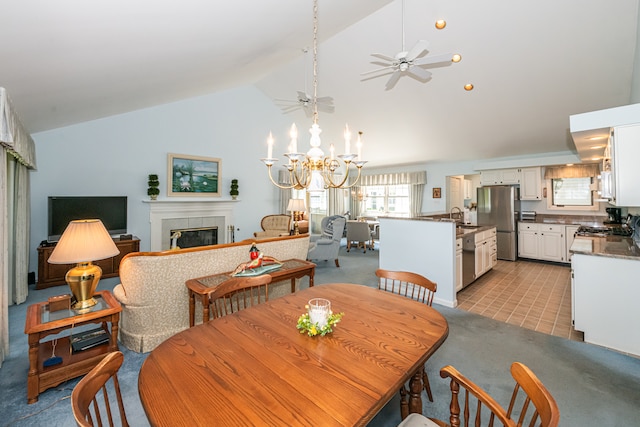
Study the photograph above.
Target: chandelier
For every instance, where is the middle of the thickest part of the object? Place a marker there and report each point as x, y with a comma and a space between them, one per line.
314, 171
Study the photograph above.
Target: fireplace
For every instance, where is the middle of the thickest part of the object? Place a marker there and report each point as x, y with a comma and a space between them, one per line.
188, 214
193, 237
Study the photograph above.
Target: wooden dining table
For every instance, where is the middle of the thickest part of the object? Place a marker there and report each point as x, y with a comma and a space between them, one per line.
254, 367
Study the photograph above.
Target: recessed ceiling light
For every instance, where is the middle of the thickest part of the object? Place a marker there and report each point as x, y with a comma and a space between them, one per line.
468, 87
596, 147
440, 24
569, 164
456, 57
597, 137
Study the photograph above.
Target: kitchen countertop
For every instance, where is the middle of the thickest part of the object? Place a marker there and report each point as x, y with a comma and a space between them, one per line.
609, 246
590, 220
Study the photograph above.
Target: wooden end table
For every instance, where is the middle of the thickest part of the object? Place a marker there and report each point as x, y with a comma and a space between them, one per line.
41, 323
291, 269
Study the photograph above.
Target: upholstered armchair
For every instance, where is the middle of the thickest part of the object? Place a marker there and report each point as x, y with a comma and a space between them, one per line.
327, 246
274, 226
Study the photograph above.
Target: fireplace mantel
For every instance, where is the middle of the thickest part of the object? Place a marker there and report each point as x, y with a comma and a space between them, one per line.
167, 209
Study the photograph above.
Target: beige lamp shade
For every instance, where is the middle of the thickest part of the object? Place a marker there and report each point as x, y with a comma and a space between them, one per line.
296, 205
82, 242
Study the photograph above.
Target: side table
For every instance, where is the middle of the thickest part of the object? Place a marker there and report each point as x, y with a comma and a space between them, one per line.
41, 323
291, 269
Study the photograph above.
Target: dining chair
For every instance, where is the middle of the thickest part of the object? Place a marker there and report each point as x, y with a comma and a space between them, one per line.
85, 393
238, 293
359, 232
531, 403
416, 287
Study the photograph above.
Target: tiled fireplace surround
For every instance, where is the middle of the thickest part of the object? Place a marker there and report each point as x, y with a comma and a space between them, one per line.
167, 215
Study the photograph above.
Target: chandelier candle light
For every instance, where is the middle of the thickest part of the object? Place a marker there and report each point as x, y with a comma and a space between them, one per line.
313, 171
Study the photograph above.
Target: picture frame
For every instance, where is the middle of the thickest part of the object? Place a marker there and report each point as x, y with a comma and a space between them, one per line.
437, 192
193, 176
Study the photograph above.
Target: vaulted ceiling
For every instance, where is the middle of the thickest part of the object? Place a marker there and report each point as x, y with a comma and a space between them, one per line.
532, 63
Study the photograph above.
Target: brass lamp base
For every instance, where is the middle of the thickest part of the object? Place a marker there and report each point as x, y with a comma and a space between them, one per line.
83, 280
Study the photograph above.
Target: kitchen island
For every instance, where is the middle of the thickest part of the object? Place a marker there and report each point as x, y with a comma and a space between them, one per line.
605, 291
427, 246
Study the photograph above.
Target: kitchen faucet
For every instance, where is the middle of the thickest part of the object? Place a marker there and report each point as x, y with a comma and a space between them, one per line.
459, 214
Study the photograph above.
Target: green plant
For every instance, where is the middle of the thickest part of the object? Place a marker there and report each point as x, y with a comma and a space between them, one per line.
153, 182
234, 188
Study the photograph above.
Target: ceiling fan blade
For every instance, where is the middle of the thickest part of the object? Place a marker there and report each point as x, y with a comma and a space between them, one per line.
435, 59
302, 96
325, 100
393, 80
421, 73
378, 70
326, 108
385, 57
417, 50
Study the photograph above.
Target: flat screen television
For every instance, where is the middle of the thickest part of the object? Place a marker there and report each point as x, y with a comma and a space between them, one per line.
111, 210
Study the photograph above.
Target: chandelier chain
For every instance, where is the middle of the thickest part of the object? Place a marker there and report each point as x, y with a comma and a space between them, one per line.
315, 61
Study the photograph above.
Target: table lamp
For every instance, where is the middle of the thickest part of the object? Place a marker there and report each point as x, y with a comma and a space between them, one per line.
297, 207
82, 242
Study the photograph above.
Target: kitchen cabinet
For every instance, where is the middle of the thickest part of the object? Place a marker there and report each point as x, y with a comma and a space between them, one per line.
605, 297
486, 254
531, 183
624, 148
569, 236
542, 241
468, 189
500, 177
458, 264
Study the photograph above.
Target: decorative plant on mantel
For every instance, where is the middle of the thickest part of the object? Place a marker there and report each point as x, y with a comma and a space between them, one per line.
153, 189
234, 189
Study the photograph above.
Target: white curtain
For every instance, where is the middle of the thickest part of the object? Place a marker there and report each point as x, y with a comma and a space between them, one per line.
285, 193
17, 156
416, 180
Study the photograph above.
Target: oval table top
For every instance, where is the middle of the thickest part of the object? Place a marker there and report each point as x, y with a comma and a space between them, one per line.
254, 367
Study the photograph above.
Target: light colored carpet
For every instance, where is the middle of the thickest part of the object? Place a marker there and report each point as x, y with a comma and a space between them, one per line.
593, 386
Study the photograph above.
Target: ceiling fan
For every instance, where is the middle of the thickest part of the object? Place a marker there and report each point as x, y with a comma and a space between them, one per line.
304, 101
409, 62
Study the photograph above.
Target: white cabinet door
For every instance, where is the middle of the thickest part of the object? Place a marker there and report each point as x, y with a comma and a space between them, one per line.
479, 258
510, 176
625, 152
468, 189
490, 177
531, 184
551, 246
569, 235
527, 240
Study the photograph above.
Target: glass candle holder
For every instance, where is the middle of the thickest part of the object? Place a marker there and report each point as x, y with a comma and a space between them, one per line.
319, 311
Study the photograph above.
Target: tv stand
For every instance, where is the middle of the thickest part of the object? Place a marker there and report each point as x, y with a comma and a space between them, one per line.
53, 274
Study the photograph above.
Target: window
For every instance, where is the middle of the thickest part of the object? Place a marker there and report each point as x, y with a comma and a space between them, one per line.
387, 199
571, 193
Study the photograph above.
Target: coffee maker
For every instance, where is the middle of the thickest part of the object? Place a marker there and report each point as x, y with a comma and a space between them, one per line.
615, 216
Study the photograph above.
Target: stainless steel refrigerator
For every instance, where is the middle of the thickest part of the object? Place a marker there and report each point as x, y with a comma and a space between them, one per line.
499, 205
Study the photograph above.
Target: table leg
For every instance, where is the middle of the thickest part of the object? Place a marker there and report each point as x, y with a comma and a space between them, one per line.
415, 391
311, 273
192, 308
293, 284
33, 380
115, 321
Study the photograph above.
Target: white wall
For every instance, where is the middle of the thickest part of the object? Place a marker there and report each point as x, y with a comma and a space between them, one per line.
113, 156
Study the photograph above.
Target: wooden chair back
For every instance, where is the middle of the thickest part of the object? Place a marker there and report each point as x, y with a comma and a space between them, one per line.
88, 409
405, 283
238, 293
531, 402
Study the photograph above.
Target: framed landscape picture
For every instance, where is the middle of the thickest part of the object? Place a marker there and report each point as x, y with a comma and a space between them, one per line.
193, 175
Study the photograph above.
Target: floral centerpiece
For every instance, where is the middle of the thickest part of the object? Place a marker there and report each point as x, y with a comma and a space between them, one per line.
305, 325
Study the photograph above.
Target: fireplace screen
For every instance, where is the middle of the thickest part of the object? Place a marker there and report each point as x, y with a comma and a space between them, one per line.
192, 237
